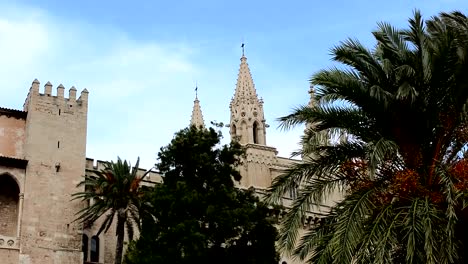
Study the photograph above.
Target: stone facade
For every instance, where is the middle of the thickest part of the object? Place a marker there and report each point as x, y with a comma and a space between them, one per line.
42, 158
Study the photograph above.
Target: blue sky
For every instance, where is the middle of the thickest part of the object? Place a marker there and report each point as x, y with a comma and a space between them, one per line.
140, 60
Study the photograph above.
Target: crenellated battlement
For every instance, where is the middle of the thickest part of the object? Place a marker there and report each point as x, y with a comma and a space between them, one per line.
152, 177
59, 98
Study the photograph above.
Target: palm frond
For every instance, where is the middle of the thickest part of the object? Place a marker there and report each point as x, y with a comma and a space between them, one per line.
393, 119
326, 162
378, 152
107, 223
350, 222
381, 236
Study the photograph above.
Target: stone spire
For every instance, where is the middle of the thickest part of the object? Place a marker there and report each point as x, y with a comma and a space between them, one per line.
247, 118
245, 88
197, 116
312, 103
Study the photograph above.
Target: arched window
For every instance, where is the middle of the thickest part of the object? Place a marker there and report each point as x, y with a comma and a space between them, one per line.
94, 249
9, 200
255, 132
84, 247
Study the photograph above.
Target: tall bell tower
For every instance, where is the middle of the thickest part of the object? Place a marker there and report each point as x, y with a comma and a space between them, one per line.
247, 123
248, 126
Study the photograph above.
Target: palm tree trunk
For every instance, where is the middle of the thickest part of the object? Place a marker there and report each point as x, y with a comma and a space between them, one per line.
120, 239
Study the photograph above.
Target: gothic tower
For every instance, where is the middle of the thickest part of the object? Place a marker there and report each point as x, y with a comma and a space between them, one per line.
248, 126
55, 148
247, 119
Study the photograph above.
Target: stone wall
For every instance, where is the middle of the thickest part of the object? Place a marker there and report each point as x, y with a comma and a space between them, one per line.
255, 168
55, 147
11, 134
9, 256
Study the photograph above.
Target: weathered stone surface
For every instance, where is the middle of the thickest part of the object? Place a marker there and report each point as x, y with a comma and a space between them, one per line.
11, 136
9, 256
38, 215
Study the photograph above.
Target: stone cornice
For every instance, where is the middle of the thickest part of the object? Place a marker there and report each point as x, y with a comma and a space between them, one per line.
18, 114
261, 147
13, 162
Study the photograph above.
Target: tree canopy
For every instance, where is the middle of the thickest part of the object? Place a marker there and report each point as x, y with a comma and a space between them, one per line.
388, 129
197, 215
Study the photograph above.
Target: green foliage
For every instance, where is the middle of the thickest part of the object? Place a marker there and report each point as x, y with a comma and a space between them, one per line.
389, 131
197, 215
112, 193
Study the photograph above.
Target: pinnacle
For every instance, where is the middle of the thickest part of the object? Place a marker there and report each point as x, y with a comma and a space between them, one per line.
312, 101
48, 84
247, 118
197, 115
245, 87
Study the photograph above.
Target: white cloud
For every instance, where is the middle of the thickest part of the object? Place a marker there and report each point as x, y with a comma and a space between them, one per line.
133, 84
140, 91
23, 44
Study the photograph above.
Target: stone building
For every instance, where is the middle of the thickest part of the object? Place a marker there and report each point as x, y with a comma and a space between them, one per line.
42, 158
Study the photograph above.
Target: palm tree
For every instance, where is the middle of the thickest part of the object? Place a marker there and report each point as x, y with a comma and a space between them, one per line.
114, 192
395, 120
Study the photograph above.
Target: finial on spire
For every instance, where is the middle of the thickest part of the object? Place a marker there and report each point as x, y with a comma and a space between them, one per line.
242, 46
196, 90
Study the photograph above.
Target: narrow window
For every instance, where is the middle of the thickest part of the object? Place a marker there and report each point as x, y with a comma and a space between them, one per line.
58, 144
255, 132
84, 247
94, 249
60, 111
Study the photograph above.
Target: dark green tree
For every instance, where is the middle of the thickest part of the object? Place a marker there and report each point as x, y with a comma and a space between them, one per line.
390, 131
114, 192
197, 215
